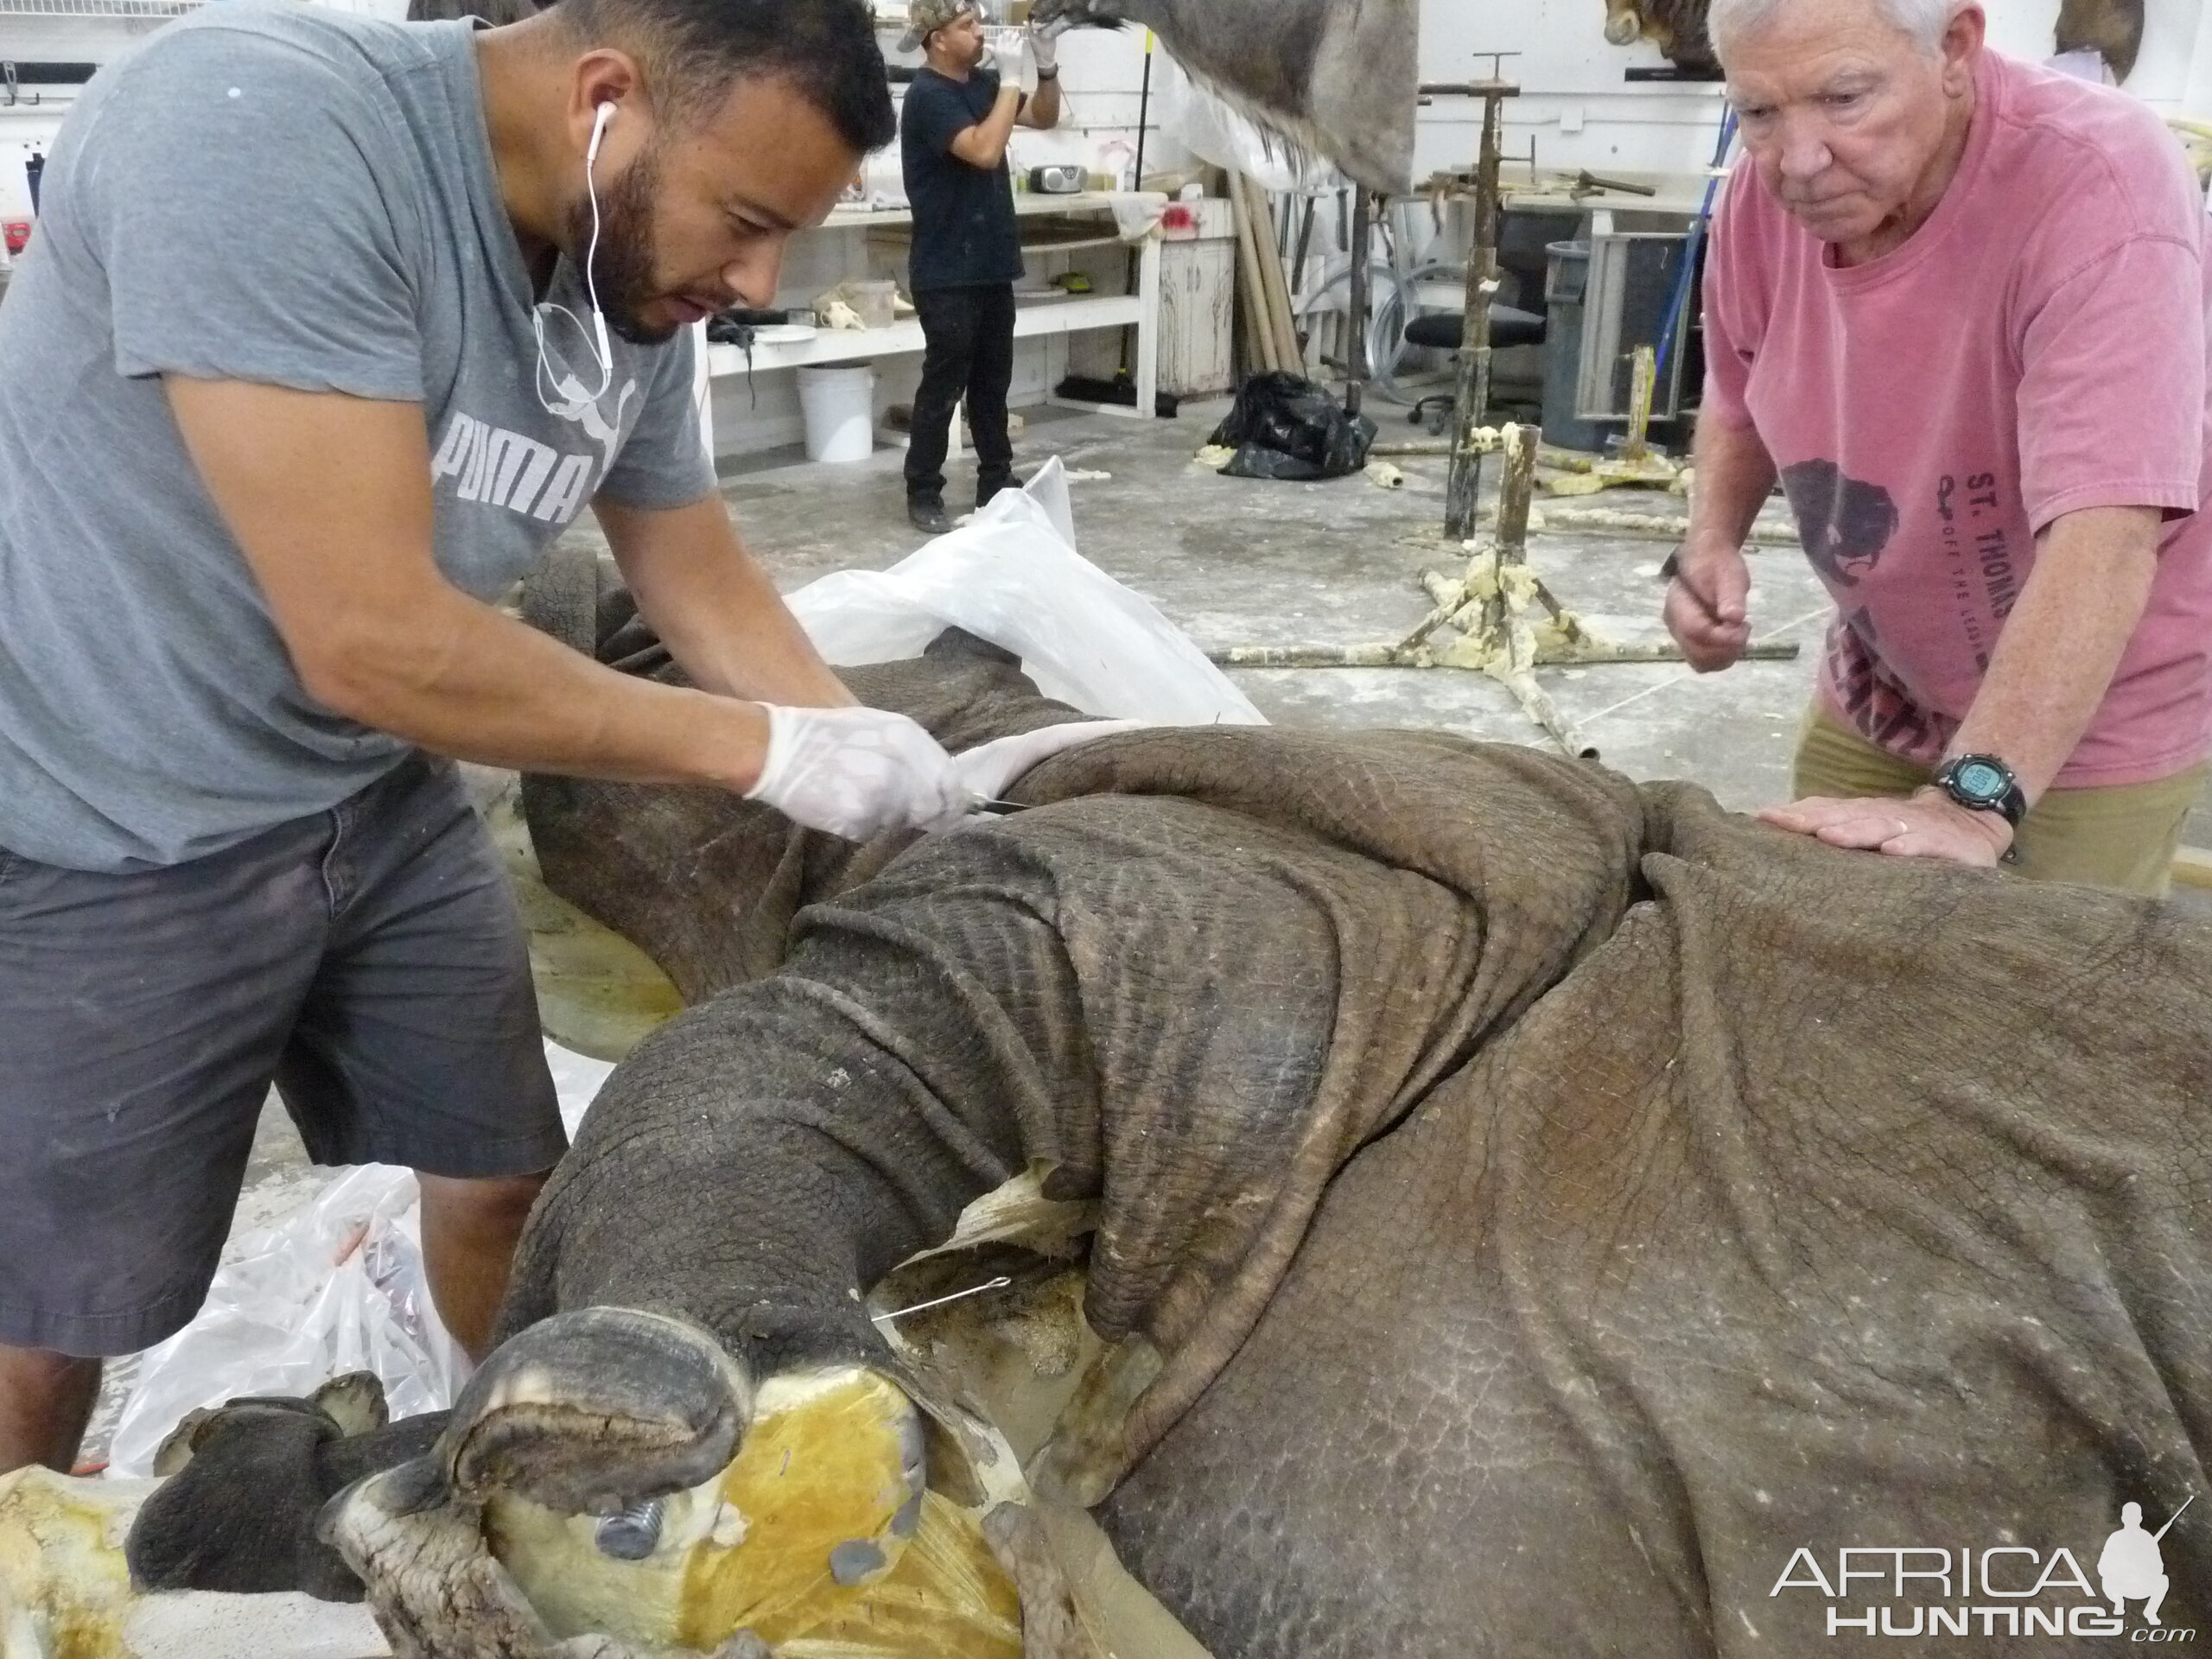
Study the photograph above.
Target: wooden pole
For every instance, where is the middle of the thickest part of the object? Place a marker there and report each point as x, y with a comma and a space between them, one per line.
1642, 380
1259, 334
1271, 272
1517, 494
1514, 493
1144, 123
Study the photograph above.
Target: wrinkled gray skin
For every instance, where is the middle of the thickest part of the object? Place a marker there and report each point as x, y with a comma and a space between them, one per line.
1340, 77
1811, 1200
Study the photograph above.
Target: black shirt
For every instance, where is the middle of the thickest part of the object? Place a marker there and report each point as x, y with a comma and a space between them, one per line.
964, 234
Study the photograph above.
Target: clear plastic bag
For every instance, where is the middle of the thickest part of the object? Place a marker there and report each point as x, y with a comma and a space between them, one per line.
1012, 575
338, 1287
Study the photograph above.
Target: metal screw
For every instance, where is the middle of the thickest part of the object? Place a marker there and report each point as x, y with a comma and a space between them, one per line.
633, 1533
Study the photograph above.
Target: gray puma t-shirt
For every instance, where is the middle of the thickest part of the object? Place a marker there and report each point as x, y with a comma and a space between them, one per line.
299, 197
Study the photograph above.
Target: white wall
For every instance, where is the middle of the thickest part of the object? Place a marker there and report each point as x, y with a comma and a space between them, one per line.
1574, 105
1581, 113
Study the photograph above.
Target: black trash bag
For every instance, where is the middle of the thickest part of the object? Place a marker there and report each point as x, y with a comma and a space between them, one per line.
1287, 428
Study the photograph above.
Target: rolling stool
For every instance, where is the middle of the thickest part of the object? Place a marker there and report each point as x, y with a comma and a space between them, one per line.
1445, 330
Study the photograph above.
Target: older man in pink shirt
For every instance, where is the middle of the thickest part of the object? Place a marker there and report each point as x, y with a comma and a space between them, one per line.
1956, 304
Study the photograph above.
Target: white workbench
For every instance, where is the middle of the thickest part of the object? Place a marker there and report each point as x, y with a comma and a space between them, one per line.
1032, 316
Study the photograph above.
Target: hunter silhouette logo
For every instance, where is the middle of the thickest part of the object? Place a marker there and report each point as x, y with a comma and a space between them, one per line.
2008, 1590
2131, 1567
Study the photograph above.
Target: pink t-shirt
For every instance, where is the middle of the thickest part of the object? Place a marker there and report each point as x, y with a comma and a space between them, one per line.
2036, 348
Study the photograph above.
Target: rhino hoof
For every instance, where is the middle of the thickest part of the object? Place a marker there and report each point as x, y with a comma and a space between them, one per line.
595, 1411
354, 1401
180, 1443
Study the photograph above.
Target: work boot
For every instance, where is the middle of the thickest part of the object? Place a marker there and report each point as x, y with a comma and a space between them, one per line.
926, 512
987, 487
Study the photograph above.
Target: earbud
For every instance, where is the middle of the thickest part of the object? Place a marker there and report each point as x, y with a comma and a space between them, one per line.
605, 360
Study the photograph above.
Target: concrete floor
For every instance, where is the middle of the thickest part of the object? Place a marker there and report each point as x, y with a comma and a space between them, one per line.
1236, 561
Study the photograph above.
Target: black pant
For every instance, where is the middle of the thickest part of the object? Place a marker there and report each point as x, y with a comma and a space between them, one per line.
969, 335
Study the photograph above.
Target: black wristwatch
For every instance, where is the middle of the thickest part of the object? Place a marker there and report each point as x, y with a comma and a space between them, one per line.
1982, 783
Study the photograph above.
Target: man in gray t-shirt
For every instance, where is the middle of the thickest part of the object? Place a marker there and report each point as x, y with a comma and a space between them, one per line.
330, 328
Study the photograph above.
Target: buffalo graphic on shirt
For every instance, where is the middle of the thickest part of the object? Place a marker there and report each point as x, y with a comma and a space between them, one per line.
1845, 523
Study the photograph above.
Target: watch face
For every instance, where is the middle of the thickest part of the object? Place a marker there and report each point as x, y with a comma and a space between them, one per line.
1979, 780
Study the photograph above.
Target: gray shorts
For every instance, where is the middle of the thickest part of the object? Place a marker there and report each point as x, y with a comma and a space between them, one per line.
369, 961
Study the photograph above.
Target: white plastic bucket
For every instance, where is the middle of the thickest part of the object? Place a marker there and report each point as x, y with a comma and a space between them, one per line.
839, 407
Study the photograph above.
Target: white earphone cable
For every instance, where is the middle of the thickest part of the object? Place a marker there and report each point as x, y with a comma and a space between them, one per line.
605, 355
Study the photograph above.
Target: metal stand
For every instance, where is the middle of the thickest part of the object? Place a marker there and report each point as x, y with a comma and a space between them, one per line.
1638, 463
1504, 621
1471, 389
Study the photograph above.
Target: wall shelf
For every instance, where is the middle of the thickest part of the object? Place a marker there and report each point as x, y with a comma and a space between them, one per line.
1034, 315
855, 345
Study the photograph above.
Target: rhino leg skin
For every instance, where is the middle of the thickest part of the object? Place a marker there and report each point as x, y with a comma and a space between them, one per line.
1340, 78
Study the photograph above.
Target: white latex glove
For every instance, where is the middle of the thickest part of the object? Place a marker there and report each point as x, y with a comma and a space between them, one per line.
1014, 62
856, 773
989, 770
1043, 49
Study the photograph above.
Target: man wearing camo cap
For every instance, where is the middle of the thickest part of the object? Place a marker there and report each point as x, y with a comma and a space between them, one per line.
959, 114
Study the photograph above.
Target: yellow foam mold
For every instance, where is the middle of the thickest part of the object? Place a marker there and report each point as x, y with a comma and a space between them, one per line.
65, 1590
821, 1466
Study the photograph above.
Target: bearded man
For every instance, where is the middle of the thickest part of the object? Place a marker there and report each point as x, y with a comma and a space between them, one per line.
331, 327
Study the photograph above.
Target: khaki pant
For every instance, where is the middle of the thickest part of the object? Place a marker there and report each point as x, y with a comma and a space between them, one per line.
2122, 835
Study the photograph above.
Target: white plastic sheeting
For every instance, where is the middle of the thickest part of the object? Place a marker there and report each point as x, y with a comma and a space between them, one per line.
338, 1287
1012, 575
1211, 130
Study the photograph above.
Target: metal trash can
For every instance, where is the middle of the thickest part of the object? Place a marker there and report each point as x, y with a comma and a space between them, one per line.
1566, 276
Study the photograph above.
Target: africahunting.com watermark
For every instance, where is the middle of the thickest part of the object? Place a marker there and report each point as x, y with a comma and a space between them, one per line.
2009, 1590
